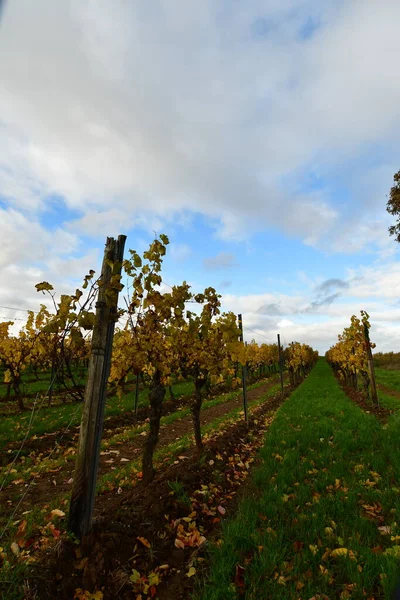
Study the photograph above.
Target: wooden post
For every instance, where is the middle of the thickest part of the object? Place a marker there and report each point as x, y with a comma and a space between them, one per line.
84, 487
137, 392
371, 369
244, 374
280, 362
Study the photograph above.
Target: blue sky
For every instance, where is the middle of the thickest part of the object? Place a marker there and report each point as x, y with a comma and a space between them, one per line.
260, 136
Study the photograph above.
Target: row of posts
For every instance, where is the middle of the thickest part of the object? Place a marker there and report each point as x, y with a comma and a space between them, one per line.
244, 369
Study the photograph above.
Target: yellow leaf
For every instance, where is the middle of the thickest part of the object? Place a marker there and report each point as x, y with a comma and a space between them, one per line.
154, 578
323, 570
339, 552
144, 541
15, 548
191, 572
314, 549
395, 552
135, 577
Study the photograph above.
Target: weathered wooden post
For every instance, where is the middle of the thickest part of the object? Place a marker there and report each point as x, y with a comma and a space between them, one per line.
371, 369
84, 486
280, 362
244, 378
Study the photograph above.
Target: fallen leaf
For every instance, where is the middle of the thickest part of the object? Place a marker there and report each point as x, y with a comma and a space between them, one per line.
191, 572
15, 548
57, 512
395, 552
135, 577
385, 530
298, 546
221, 510
21, 529
339, 552
144, 541
239, 576
154, 578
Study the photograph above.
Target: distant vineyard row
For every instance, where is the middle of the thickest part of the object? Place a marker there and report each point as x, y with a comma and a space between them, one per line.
157, 336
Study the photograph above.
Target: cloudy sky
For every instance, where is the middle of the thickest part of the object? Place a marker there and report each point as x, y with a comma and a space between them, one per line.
261, 136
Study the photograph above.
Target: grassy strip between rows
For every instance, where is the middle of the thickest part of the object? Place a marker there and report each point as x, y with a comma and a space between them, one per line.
320, 519
389, 401
388, 377
29, 465
167, 454
49, 419
52, 418
124, 476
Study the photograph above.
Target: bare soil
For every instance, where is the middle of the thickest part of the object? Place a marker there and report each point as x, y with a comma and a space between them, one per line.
105, 559
59, 480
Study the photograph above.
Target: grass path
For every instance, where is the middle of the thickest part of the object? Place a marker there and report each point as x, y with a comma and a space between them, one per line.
321, 519
389, 378
49, 419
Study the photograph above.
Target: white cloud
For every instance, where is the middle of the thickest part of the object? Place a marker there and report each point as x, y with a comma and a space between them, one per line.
172, 107
142, 115
375, 289
223, 260
25, 241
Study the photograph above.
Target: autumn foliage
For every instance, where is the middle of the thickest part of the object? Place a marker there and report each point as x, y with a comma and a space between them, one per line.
348, 357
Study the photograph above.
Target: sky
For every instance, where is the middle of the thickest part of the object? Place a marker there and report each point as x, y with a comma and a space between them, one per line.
260, 136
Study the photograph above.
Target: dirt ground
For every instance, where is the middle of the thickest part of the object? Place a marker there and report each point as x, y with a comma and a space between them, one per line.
106, 559
59, 480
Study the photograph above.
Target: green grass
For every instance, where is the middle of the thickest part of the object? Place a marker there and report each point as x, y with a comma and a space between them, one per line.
388, 401
320, 457
390, 378
47, 420
32, 386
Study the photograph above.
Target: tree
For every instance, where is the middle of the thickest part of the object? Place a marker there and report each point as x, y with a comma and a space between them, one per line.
17, 352
206, 350
393, 206
61, 336
154, 319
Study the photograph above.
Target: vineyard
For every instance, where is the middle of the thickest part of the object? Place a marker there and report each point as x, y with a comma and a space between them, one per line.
149, 452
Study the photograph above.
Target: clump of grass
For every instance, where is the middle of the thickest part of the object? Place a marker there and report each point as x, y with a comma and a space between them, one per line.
178, 490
